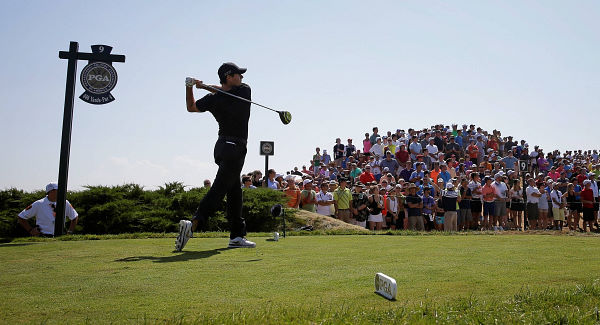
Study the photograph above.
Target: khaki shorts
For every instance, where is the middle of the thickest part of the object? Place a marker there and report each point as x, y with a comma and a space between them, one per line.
559, 214
345, 215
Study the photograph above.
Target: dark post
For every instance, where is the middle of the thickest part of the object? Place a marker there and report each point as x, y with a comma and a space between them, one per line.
283, 216
101, 53
524, 197
65, 145
266, 167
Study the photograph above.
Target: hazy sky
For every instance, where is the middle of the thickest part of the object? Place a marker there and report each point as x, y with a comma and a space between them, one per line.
527, 68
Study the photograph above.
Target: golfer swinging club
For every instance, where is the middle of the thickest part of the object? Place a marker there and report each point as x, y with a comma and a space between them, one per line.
232, 114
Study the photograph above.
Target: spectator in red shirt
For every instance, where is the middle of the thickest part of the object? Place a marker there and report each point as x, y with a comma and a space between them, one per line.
366, 176
402, 155
587, 199
473, 152
582, 176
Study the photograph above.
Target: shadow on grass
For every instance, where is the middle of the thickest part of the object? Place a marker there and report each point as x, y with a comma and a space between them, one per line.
182, 257
15, 244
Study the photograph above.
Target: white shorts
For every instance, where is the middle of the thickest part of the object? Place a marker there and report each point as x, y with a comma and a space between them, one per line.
375, 218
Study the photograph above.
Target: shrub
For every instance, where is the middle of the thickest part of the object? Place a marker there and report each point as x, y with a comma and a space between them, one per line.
129, 208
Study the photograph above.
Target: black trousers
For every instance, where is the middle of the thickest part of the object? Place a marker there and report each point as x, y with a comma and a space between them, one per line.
229, 155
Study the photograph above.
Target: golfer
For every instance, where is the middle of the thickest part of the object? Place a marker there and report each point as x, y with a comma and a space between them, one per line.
232, 115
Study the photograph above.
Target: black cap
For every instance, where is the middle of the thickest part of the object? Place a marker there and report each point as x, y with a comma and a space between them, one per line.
229, 68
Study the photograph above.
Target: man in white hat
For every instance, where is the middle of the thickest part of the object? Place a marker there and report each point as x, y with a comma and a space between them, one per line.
308, 196
44, 212
449, 200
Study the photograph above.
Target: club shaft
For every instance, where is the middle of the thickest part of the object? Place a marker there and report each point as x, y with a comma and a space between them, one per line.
238, 97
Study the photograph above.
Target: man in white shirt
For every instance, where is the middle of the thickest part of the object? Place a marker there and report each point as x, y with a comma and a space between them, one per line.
43, 211
377, 148
533, 198
433, 150
324, 200
558, 206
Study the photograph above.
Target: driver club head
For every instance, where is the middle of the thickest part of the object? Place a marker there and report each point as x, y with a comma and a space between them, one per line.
286, 117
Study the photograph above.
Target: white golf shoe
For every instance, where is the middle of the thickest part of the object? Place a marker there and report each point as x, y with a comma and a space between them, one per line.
241, 242
185, 233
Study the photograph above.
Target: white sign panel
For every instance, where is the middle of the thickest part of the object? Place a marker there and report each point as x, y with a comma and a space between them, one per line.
385, 286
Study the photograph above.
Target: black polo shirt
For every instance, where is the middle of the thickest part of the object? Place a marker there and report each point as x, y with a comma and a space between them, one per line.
231, 113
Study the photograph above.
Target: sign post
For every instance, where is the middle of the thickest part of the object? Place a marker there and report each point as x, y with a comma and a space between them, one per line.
100, 82
267, 149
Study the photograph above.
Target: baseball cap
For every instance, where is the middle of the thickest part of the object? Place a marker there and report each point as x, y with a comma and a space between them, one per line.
449, 186
51, 186
306, 181
229, 68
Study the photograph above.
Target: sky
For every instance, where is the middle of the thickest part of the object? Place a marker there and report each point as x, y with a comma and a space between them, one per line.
527, 68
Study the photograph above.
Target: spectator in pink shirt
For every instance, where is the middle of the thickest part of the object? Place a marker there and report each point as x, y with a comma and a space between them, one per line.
554, 174
366, 144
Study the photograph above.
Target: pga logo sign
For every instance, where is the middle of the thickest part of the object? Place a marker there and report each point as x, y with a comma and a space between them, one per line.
98, 79
385, 286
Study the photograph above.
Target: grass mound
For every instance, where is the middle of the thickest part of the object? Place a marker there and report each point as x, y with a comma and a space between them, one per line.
301, 218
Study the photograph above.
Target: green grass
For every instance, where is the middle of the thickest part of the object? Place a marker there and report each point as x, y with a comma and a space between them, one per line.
303, 279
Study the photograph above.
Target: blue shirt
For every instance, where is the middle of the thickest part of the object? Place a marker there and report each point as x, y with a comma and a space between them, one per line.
459, 140
417, 174
445, 176
509, 162
431, 190
428, 203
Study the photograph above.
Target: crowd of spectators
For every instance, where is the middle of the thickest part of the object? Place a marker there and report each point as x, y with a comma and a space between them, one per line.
445, 178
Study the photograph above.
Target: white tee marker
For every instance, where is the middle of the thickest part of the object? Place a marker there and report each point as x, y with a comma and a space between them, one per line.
385, 286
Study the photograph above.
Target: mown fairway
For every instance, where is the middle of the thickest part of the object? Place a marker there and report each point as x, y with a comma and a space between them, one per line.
298, 279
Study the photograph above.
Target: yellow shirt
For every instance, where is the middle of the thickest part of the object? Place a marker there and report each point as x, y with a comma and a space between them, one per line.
342, 198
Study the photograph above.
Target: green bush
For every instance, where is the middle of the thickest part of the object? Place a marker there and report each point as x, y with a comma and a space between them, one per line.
129, 208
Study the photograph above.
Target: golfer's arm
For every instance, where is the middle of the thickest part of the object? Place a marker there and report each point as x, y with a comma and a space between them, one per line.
211, 90
189, 99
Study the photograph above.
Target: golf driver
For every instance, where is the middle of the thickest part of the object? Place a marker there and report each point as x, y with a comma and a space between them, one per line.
284, 116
